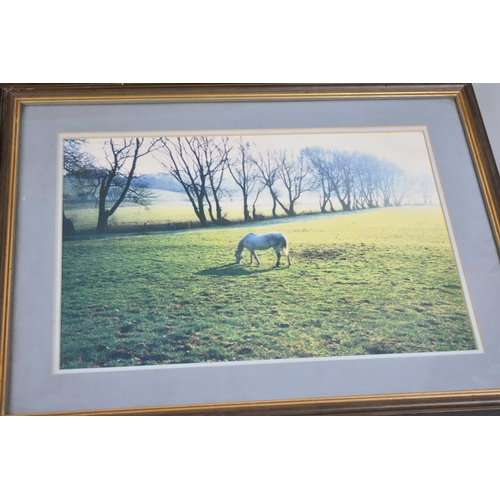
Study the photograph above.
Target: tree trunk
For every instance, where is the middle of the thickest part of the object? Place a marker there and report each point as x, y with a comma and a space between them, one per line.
322, 205
200, 213
102, 218
346, 207
274, 205
102, 222
68, 227
246, 212
218, 209
210, 211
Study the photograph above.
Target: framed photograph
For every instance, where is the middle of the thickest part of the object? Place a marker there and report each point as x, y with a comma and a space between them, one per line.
247, 249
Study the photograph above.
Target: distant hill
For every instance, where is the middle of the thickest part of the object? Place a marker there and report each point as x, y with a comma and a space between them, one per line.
160, 181
155, 182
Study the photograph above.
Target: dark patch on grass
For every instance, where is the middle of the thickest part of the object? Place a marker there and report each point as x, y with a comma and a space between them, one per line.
377, 348
323, 254
120, 354
235, 270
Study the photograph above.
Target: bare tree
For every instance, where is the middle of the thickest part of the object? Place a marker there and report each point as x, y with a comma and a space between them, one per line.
280, 167
216, 157
268, 176
342, 172
257, 193
293, 174
399, 187
334, 172
319, 164
198, 164
113, 181
356, 179
81, 171
367, 177
427, 190
393, 185
116, 181
244, 172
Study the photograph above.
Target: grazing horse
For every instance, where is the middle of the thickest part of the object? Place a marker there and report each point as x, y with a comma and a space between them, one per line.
254, 242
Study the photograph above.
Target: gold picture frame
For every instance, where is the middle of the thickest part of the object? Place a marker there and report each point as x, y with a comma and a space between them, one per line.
16, 97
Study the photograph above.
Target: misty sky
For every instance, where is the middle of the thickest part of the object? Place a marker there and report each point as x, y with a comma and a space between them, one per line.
406, 148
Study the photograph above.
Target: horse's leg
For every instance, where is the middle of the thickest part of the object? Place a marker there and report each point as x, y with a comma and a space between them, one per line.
278, 257
256, 258
285, 249
287, 253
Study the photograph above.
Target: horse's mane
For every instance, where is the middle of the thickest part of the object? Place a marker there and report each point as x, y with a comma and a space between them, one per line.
241, 246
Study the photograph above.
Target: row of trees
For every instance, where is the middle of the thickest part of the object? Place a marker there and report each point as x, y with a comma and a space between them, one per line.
210, 169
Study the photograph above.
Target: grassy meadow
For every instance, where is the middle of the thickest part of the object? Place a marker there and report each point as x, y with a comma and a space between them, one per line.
371, 282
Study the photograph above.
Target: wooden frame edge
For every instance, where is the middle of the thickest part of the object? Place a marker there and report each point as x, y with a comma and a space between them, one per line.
86, 93
8, 153
389, 404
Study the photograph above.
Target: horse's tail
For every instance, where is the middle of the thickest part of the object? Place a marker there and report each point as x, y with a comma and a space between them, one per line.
284, 245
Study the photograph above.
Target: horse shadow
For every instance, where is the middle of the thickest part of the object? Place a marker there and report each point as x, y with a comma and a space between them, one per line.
233, 269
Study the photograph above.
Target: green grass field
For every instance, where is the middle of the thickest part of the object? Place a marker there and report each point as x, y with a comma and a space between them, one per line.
370, 282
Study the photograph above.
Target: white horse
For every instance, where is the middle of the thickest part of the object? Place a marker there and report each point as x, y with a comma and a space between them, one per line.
254, 242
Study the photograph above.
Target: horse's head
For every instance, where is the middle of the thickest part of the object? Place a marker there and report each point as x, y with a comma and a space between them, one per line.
238, 255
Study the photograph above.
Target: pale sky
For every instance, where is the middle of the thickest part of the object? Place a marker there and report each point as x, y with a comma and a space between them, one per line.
407, 149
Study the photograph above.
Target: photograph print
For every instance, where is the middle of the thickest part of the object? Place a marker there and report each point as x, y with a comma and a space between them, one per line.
244, 246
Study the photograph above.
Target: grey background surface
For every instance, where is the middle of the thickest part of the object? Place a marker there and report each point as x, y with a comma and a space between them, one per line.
488, 97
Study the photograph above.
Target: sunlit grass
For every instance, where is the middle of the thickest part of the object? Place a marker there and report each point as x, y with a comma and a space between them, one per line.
372, 282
